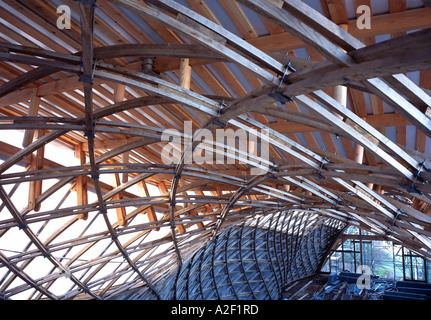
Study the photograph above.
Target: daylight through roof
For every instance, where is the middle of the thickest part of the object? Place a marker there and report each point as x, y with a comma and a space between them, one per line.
200, 149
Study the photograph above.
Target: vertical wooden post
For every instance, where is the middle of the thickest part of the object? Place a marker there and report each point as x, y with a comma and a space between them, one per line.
32, 112
184, 81
216, 194
164, 190
361, 251
358, 153
81, 181
121, 212
125, 159
185, 73
119, 94
35, 187
191, 212
340, 92
151, 213
207, 206
182, 183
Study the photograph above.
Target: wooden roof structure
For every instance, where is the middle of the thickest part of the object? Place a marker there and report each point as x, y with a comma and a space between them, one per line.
90, 211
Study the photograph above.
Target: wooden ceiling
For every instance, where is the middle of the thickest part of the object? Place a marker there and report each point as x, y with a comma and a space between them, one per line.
348, 125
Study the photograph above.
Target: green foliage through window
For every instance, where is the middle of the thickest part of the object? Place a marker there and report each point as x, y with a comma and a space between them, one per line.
384, 258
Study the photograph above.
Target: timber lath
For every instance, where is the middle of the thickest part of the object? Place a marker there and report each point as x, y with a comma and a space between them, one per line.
345, 117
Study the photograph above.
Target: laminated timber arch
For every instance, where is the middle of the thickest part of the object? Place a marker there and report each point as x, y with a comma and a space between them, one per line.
110, 103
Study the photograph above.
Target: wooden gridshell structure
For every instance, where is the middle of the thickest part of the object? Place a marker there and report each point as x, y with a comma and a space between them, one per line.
107, 88
254, 260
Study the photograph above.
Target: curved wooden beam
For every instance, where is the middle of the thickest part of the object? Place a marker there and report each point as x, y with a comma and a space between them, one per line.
320, 189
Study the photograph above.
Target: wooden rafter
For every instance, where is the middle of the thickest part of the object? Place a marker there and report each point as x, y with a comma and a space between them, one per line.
110, 104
